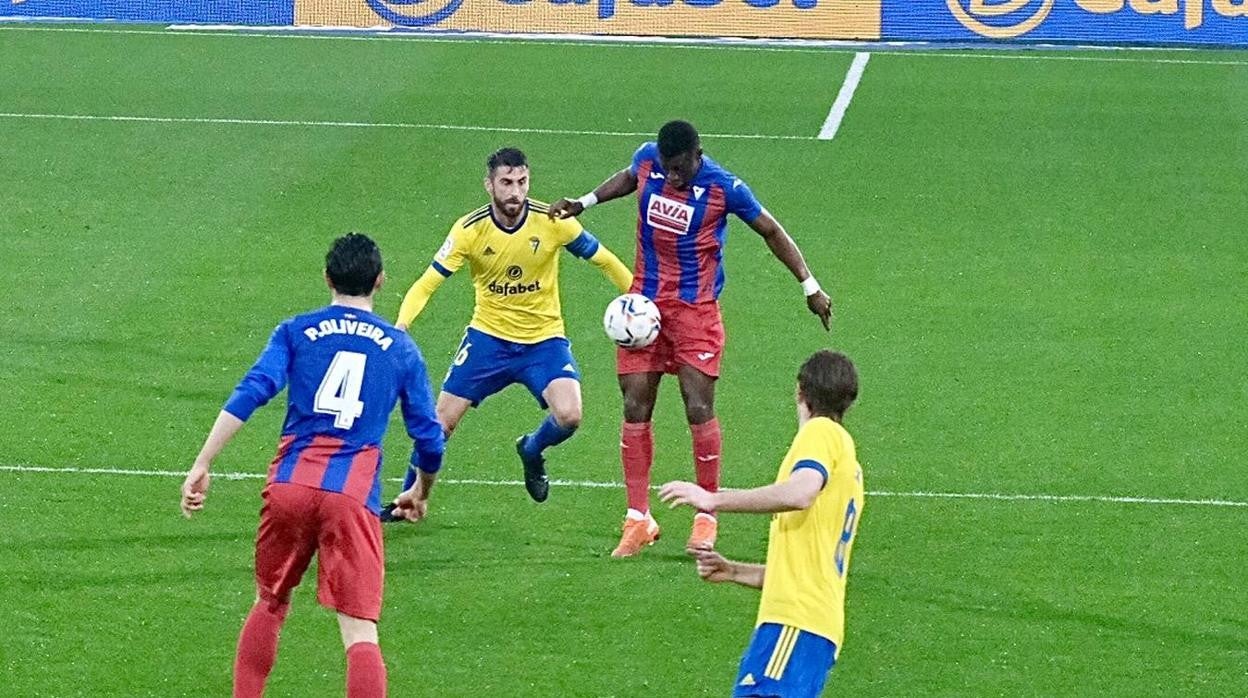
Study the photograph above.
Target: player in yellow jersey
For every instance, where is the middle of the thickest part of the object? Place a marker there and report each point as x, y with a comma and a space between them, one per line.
512, 248
817, 502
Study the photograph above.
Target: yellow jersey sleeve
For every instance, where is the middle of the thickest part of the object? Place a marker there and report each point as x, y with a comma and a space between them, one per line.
566, 230
454, 250
817, 446
417, 297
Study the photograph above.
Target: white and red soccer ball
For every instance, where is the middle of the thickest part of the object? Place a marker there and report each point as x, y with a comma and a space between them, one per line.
632, 321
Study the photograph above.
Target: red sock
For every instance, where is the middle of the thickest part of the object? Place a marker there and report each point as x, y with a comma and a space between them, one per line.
257, 648
706, 452
366, 672
637, 453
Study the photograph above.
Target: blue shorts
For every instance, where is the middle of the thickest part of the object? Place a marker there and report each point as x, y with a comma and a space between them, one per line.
486, 364
784, 662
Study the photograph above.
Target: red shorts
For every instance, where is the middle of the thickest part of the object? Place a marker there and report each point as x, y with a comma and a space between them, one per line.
297, 522
689, 335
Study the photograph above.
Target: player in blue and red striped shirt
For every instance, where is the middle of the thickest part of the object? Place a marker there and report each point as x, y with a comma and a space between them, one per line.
346, 368
684, 199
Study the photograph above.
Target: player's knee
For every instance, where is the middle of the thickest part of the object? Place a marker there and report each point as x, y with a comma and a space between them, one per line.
356, 630
567, 417
699, 411
637, 410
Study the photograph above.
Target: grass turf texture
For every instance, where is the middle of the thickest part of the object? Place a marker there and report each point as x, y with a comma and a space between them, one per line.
1037, 265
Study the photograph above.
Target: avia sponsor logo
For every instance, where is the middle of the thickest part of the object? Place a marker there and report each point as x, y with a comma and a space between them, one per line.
505, 289
1007, 19
668, 214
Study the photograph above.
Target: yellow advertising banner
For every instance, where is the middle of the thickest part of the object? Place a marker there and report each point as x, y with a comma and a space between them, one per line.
796, 19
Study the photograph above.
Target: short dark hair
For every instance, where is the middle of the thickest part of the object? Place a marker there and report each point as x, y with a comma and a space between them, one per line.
828, 383
677, 138
353, 264
505, 157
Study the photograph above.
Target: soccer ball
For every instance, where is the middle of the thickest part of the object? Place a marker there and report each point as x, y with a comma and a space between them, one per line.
632, 321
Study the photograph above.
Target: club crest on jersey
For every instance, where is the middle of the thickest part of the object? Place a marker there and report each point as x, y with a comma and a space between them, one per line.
668, 214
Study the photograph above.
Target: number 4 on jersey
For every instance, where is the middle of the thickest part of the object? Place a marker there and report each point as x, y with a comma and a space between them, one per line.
339, 393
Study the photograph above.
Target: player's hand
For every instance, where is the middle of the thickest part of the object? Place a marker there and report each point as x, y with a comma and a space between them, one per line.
195, 489
400, 327
821, 304
413, 504
566, 208
712, 566
677, 493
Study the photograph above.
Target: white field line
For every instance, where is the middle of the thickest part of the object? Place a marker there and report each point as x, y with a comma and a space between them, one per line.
590, 484
652, 42
837, 113
231, 121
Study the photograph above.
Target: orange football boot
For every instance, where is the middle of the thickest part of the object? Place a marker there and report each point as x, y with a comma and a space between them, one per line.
638, 533
705, 528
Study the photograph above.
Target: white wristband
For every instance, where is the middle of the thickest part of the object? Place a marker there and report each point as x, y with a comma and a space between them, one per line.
810, 287
588, 200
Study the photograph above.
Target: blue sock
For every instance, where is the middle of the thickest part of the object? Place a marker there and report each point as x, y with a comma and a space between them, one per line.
548, 434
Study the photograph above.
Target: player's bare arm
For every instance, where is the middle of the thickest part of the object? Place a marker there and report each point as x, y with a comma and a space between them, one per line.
783, 247
195, 486
714, 567
413, 503
621, 183
794, 494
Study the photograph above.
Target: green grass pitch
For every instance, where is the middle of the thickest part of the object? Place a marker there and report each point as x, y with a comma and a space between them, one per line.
1038, 266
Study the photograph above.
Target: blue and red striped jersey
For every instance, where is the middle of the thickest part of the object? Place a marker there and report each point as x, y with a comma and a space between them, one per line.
346, 369
681, 232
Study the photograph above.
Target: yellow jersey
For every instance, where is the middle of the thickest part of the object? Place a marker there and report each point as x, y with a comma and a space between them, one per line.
515, 271
808, 551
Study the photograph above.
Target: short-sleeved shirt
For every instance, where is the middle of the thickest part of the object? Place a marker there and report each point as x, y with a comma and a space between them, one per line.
515, 270
808, 551
681, 232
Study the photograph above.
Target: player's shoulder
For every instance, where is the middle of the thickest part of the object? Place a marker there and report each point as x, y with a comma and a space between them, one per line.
646, 151
540, 220
472, 219
309, 317
824, 431
721, 175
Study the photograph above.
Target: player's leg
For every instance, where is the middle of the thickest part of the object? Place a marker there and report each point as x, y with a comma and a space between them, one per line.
366, 670
257, 647
478, 371
698, 392
564, 397
640, 392
698, 336
350, 581
451, 410
550, 373
285, 544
